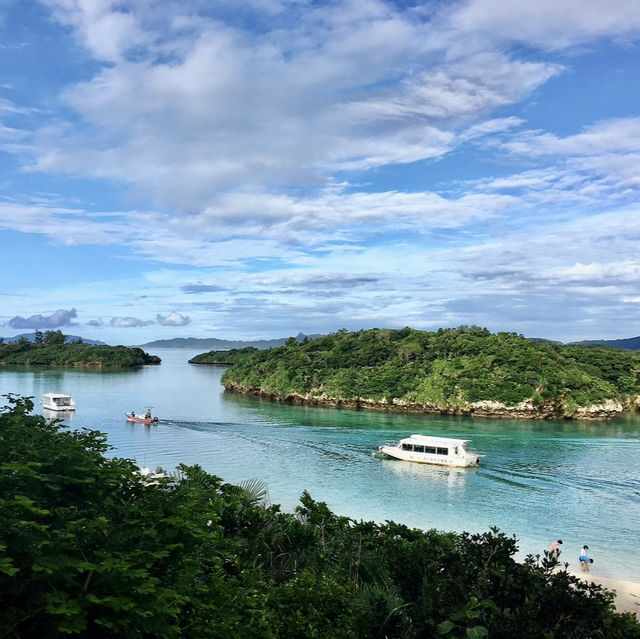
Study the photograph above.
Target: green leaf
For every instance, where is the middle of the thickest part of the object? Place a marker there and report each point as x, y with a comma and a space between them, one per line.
477, 632
445, 627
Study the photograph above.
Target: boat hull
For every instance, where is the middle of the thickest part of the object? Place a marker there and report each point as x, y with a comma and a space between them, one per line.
466, 461
134, 419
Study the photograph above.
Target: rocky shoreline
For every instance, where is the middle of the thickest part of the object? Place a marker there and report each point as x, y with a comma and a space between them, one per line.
484, 409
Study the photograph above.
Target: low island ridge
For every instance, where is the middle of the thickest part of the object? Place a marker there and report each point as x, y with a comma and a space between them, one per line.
462, 371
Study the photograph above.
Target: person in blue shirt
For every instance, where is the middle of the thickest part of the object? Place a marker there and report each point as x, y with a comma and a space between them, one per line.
585, 562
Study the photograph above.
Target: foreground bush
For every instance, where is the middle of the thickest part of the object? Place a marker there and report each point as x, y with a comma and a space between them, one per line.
87, 548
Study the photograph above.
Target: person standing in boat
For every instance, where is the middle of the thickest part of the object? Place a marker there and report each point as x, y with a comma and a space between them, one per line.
147, 415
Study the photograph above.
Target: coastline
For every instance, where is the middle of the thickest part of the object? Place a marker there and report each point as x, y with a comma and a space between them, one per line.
627, 592
483, 409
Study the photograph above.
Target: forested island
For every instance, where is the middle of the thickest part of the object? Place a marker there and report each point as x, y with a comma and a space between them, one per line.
224, 358
89, 548
462, 371
50, 349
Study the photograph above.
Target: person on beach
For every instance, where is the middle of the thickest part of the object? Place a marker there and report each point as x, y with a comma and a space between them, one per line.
585, 550
554, 548
585, 562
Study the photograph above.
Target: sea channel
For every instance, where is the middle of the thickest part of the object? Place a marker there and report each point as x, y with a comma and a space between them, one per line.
539, 481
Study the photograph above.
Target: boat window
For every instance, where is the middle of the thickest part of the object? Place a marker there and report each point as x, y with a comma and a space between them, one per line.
430, 449
418, 449
443, 451
406, 446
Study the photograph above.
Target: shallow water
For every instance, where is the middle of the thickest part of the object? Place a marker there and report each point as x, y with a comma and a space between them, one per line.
539, 480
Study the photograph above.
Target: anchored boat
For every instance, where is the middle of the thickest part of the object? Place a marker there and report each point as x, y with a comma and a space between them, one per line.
424, 449
58, 402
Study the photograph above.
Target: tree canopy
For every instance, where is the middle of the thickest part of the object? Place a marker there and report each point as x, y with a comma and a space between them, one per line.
89, 548
50, 349
224, 358
448, 371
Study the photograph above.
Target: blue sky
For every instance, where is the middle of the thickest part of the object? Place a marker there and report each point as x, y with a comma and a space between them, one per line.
175, 169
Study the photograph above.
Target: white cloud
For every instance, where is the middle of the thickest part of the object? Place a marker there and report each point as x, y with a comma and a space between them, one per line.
173, 319
551, 24
129, 322
616, 270
103, 26
351, 86
67, 226
60, 318
621, 135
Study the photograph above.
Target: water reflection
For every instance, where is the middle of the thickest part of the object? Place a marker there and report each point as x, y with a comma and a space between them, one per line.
64, 416
439, 425
428, 472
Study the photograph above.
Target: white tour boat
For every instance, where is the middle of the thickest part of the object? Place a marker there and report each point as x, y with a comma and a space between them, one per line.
423, 449
150, 477
58, 402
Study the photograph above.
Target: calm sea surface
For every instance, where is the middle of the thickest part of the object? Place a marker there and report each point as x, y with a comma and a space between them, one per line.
540, 481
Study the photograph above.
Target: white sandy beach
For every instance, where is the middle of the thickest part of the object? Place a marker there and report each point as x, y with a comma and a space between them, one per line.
627, 592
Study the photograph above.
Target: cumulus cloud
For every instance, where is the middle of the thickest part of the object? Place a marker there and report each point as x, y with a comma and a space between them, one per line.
104, 27
323, 88
173, 319
347, 87
129, 322
55, 320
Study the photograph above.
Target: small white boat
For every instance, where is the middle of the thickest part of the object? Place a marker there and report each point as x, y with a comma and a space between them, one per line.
423, 449
150, 477
58, 402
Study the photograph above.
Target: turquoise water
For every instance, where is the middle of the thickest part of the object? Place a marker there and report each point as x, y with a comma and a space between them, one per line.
539, 480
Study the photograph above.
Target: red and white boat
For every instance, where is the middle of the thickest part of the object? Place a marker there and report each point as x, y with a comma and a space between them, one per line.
146, 418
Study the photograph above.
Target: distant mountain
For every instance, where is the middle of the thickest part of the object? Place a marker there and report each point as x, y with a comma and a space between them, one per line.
69, 339
629, 343
213, 343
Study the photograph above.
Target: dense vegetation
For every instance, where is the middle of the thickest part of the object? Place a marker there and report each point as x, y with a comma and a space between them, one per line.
50, 349
88, 548
449, 371
227, 358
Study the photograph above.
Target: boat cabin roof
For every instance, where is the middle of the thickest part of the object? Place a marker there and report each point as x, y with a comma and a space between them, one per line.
427, 440
57, 395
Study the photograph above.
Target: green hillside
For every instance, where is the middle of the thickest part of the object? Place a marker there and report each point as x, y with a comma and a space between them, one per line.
50, 349
467, 370
226, 358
